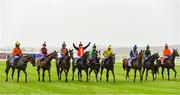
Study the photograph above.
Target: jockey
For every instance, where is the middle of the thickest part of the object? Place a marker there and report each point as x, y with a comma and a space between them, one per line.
43, 50
107, 53
93, 52
133, 55
63, 51
80, 49
147, 53
166, 52
17, 53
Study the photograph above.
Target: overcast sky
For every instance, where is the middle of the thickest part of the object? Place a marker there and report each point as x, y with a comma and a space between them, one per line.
116, 22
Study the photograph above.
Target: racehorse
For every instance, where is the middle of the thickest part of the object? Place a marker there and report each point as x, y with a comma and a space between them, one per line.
137, 65
94, 65
149, 65
169, 64
64, 65
45, 64
21, 64
81, 64
108, 64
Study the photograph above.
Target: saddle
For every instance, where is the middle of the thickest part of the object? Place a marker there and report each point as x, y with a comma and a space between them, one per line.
163, 60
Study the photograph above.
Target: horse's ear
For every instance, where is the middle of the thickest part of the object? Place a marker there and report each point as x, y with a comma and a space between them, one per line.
173, 49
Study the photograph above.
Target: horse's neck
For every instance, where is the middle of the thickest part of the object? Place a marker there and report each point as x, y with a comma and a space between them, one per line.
152, 59
84, 58
25, 60
139, 59
172, 57
49, 58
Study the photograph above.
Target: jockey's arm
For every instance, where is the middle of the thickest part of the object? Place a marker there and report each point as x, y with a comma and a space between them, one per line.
104, 53
75, 46
87, 45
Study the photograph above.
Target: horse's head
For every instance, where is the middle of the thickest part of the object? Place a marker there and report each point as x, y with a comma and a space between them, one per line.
155, 56
33, 60
86, 54
112, 58
54, 54
71, 53
175, 52
141, 55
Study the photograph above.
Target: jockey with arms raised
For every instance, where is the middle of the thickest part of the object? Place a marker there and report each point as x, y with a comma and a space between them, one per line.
80, 49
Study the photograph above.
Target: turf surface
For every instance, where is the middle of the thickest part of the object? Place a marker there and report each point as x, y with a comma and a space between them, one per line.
121, 86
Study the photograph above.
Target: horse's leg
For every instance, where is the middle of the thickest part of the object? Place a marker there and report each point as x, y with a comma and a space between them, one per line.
60, 74
81, 75
73, 70
43, 75
168, 73
38, 69
96, 74
135, 75
174, 72
162, 72
7, 71
153, 74
25, 75
66, 73
78, 75
87, 76
18, 75
143, 72
140, 74
128, 70
49, 71
57, 68
113, 74
146, 73
107, 75
13, 73
101, 73
90, 72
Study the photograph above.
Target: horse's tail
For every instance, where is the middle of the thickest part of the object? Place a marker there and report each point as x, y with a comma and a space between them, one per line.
124, 67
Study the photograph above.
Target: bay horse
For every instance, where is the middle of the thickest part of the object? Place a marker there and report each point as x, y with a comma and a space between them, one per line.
20, 65
137, 65
80, 64
109, 66
45, 64
64, 65
149, 65
94, 65
169, 64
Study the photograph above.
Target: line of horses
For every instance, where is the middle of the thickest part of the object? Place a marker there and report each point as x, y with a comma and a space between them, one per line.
91, 64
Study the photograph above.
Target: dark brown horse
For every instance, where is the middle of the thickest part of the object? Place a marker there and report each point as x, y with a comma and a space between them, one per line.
169, 64
94, 65
64, 65
149, 65
137, 65
21, 64
45, 64
81, 64
109, 66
